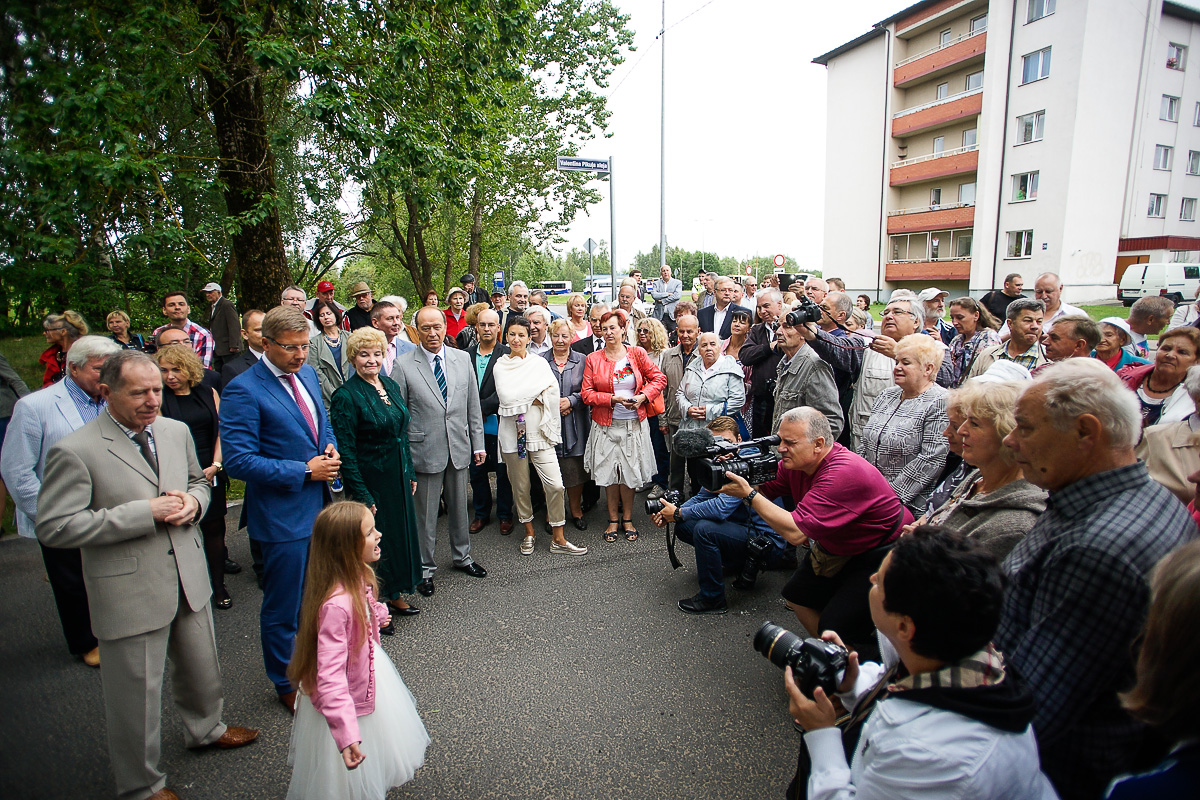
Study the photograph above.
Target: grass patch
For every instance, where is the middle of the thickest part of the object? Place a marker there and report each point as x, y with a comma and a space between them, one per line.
22, 352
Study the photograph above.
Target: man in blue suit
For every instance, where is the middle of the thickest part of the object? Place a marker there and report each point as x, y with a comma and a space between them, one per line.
275, 435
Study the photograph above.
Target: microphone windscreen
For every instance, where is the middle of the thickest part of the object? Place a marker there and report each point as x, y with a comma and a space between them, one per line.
693, 442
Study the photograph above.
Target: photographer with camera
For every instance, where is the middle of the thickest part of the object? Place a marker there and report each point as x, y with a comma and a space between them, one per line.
845, 511
942, 716
724, 534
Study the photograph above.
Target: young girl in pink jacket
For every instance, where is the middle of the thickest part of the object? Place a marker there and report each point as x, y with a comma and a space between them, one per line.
357, 732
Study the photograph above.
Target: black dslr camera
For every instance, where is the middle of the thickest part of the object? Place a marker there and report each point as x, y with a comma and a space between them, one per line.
814, 662
758, 550
724, 456
674, 497
805, 311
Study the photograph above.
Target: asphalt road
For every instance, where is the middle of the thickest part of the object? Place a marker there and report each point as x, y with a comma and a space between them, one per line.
554, 677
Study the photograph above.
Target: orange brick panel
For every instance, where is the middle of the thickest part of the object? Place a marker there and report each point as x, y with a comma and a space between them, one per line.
929, 271
934, 168
940, 220
938, 116
941, 59
925, 13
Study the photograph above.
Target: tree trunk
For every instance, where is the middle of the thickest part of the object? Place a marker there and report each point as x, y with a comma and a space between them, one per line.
247, 170
475, 246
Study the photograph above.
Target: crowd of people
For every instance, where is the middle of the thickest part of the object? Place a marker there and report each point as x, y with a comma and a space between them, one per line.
972, 495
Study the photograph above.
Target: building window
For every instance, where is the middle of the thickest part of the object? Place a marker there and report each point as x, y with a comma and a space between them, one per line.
1024, 187
966, 193
1035, 66
943, 91
979, 24
945, 37
939, 145
1169, 110
1162, 157
1158, 205
975, 80
1196, 119
1193, 165
1187, 210
1176, 56
962, 245
969, 137
935, 198
1039, 9
1030, 126
1020, 244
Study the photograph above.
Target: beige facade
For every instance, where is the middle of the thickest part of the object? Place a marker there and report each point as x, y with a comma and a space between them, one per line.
965, 143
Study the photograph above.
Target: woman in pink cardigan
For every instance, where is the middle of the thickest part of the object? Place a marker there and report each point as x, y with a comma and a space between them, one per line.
347, 686
620, 382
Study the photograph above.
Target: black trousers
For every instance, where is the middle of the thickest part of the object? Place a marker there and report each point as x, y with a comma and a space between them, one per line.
64, 566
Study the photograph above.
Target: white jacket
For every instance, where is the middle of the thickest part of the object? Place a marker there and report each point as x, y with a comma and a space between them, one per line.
912, 750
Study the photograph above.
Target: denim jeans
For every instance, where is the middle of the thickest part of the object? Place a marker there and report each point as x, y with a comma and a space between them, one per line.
662, 457
717, 544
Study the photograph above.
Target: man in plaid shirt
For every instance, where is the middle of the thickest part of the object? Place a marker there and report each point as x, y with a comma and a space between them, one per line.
176, 310
1079, 580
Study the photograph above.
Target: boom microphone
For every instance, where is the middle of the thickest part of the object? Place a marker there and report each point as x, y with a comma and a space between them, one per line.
693, 442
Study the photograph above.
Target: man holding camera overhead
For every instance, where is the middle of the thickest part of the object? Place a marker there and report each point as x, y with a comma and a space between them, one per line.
724, 533
845, 512
955, 723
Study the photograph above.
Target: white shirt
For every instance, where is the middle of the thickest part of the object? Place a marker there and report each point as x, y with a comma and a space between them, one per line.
719, 318
537, 349
287, 387
440, 354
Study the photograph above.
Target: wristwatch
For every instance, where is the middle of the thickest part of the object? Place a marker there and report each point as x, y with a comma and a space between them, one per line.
750, 497
678, 514
218, 465
308, 473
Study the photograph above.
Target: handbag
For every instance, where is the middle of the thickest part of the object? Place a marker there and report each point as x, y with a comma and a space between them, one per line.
824, 563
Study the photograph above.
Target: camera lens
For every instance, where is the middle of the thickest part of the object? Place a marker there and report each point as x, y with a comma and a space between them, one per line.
777, 644
653, 507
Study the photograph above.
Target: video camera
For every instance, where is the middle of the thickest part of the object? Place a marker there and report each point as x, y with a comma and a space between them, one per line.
723, 456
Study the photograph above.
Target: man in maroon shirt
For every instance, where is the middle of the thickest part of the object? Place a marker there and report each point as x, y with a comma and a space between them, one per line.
846, 513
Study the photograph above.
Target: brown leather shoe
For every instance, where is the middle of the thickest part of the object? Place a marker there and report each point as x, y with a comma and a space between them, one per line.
92, 657
235, 737
477, 525
164, 794
506, 526
288, 701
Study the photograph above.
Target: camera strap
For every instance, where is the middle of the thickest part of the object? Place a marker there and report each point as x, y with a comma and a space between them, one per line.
675, 562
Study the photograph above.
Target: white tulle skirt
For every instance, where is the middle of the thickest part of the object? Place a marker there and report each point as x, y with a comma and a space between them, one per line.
393, 741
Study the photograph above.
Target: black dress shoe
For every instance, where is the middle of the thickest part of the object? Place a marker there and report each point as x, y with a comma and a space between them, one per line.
425, 587
472, 569
222, 600
698, 605
580, 523
389, 629
403, 612
232, 567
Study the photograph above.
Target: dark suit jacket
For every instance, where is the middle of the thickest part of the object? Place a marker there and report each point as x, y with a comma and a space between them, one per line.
237, 365
226, 327
489, 401
758, 353
586, 346
706, 317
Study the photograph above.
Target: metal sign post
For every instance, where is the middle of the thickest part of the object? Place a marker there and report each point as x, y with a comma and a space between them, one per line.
603, 166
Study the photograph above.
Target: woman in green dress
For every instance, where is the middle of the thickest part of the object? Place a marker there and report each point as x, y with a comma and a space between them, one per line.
371, 424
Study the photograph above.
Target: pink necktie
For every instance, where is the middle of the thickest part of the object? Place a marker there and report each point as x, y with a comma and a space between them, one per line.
312, 425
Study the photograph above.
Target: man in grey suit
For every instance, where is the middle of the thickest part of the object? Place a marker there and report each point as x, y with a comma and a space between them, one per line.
666, 292
127, 490
38, 421
439, 387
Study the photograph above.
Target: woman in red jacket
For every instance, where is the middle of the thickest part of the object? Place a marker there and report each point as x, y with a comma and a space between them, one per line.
620, 382
61, 331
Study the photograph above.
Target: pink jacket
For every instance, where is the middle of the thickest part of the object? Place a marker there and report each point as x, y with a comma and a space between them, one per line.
597, 389
345, 681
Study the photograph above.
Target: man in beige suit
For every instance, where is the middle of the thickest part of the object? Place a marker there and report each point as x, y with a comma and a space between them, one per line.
127, 490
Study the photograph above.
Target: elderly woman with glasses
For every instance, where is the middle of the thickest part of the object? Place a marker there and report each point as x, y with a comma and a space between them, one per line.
61, 331
903, 436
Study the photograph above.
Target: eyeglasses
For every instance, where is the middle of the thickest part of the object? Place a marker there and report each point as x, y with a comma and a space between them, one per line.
52, 330
290, 349
891, 312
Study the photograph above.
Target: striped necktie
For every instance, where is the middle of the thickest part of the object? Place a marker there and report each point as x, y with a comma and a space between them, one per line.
441, 376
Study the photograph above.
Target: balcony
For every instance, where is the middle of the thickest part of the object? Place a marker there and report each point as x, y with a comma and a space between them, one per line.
935, 218
957, 53
957, 269
937, 114
959, 161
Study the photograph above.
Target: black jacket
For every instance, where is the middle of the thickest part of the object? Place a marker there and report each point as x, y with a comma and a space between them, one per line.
707, 316
237, 365
489, 401
757, 352
586, 346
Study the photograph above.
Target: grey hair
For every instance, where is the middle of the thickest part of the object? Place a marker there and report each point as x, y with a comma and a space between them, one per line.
1024, 304
396, 300
283, 319
1081, 386
772, 295
912, 304
1152, 306
542, 310
900, 294
601, 306
1191, 380
816, 426
112, 374
841, 302
722, 279
293, 288
87, 348
515, 284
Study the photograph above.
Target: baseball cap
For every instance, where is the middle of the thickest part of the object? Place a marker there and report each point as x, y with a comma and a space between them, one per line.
468, 278
211, 286
932, 293
324, 286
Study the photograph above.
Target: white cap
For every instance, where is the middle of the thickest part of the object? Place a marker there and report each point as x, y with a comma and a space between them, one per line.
211, 287
1120, 324
932, 293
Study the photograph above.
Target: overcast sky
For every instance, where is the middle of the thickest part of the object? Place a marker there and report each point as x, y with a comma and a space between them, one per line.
745, 126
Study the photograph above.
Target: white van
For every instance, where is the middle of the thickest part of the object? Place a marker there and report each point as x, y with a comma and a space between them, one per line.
1175, 281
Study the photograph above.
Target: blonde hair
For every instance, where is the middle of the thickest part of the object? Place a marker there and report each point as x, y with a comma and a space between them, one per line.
995, 402
658, 335
185, 360
473, 312
923, 348
73, 323
561, 322
118, 313
363, 338
572, 298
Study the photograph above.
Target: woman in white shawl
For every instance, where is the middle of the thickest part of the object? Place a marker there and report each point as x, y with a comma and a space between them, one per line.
526, 387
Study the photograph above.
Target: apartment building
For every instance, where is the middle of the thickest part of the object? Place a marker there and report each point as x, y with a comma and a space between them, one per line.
968, 139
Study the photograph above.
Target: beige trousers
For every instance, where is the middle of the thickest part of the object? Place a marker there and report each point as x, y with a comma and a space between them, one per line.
546, 464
